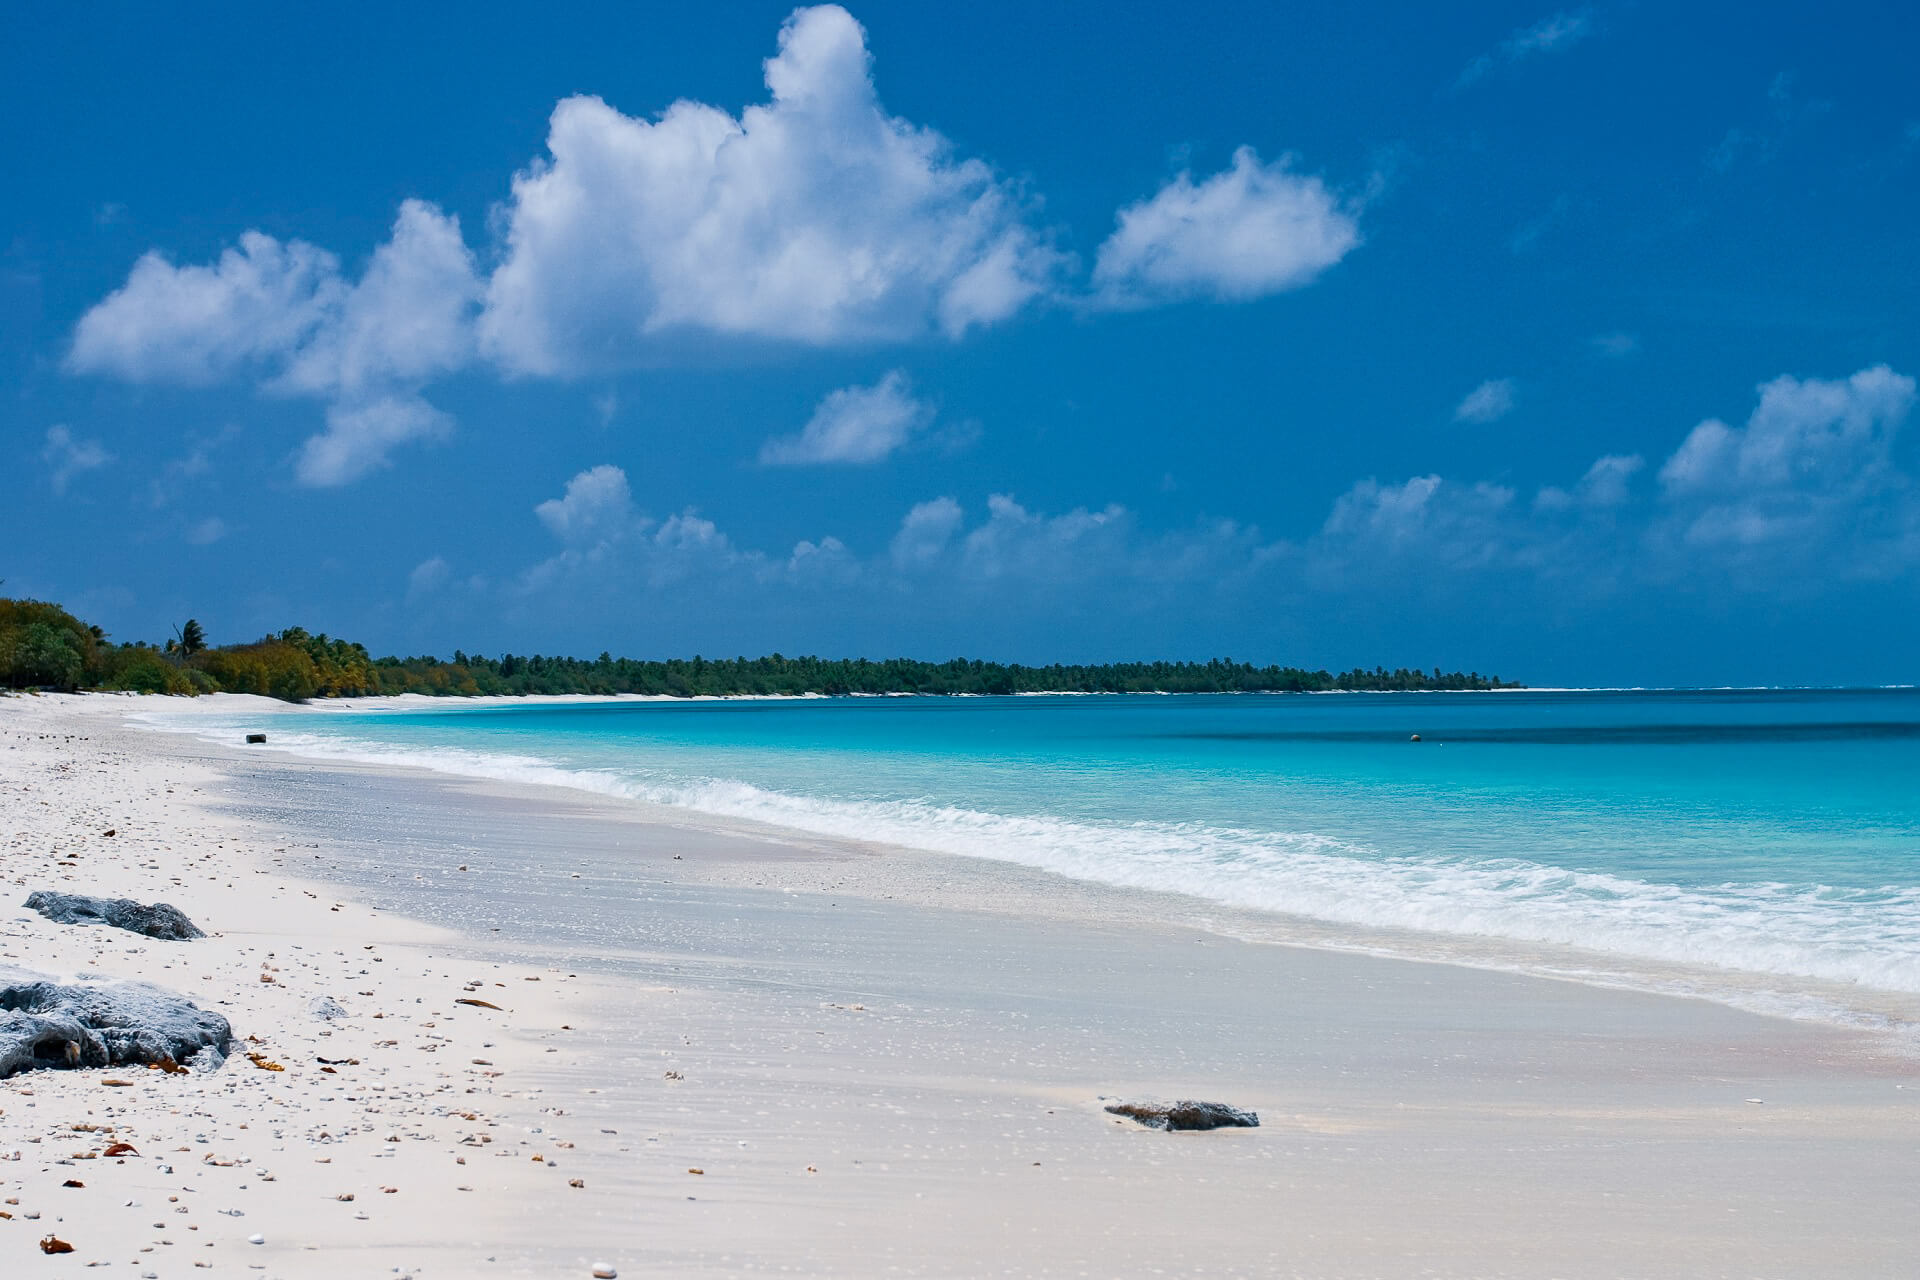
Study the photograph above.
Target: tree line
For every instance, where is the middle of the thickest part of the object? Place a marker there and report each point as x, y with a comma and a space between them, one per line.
43, 646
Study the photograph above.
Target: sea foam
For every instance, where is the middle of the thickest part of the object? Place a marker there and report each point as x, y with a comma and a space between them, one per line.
1865, 937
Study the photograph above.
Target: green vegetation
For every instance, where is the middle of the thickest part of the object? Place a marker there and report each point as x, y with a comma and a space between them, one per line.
44, 646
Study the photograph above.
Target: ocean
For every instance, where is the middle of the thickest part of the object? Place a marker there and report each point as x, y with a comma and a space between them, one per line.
1769, 837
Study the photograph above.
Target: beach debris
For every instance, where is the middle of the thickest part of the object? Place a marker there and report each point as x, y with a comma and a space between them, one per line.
263, 1062
75, 1183
45, 1025
255, 739
576, 1182
604, 1271
160, 920
119, 1149
110, 831
1185, 1114
256, 1238
697, 1171
54, 1244
478, 1004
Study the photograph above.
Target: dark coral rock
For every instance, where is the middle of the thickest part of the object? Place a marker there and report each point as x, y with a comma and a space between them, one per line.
167, 923
46, 1025
1186, 1114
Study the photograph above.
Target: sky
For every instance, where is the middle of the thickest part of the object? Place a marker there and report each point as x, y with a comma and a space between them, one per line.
1573, 344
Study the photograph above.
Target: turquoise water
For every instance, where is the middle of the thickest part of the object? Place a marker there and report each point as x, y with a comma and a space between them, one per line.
1773, 832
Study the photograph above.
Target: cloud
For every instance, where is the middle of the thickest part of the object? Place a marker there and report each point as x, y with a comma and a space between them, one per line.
1812, 434
1811, 470
1435, 521
1789, 115
607, 542
815, 217
429, 576
359, 437
605, 406
196, 325
1070, 560
825, 560
66, 457
1427, 567
204, 533
854, 424
1604, 485
1244, 233
1807, 492
1614, 345
926, 532
409, 319
1489, 402
1017, 541
597, 507
1527, 237
284, 314
1553, 34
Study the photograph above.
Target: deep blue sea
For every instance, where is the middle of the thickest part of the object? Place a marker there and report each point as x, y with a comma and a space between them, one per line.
1757, 832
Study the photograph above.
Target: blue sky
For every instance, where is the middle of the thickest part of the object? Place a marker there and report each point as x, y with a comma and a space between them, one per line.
1577, 344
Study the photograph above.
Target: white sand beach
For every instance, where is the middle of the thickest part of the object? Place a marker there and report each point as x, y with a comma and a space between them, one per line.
721, 1050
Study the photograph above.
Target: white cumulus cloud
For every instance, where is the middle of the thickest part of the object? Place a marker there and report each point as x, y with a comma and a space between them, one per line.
429, 576
1015, 540
408, 319
815, 217
925, 532
1812, 468
360, 435
199, 324
1251, 230
1606, 484
1489, 402
1811, 434
597, 507
854, 424
286, 315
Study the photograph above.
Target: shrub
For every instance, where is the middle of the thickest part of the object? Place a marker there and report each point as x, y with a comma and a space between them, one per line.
42, 645
147, 672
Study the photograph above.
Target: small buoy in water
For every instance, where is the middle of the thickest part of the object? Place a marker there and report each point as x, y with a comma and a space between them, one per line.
256, 738
1414, 738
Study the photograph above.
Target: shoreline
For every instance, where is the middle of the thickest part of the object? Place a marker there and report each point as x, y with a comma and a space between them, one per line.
874, 1084
1029, 888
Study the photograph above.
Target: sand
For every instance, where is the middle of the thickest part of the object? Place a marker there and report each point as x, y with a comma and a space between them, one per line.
880, 1063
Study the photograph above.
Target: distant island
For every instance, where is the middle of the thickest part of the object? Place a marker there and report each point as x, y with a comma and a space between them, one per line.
42, 646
